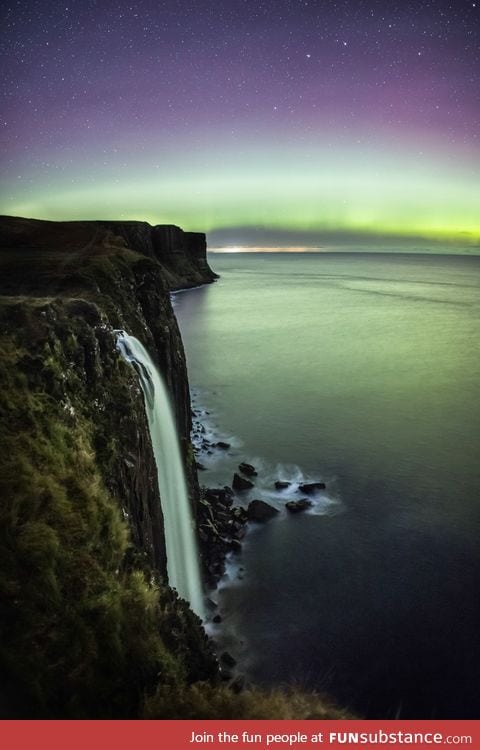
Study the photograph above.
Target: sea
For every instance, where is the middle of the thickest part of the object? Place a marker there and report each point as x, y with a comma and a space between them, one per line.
361, 370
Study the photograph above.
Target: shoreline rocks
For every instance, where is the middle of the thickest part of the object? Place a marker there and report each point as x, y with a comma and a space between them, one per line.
248, 469
241, 484
222, 525
310, 487
221, 445
260, 511
221, 528
298, 506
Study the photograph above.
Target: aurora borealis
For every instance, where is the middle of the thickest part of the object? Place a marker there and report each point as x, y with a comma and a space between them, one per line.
316, 118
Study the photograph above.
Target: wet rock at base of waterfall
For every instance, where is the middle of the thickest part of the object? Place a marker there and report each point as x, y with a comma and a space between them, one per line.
211, 604
240, 515
220, 496
216, 570
260, 511
216, 619
282, 485
200, 467
247, 469
221, 445
236, 546
240, 483
238, 529
223, 516
227, 659
310, 487
297, 506
221, 526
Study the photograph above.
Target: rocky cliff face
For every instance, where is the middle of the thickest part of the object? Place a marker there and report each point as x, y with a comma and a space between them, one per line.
82, 509
103, 276
88, 626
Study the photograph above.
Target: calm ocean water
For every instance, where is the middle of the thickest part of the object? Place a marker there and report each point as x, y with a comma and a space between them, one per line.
364, 371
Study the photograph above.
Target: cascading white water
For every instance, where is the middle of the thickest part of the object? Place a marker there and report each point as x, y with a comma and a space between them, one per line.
182, 553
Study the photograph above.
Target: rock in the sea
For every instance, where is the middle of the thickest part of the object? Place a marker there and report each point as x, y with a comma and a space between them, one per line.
279, 485
223, 446
310, 487
240, 483
260, 511
247, 469
296, 506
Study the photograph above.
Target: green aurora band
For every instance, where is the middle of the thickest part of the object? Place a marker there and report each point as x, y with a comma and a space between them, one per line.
377, 190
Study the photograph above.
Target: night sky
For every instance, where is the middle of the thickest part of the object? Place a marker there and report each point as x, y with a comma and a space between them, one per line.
315, 119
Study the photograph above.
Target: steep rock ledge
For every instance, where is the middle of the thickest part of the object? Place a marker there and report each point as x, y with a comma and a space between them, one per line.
112, 275
81, 522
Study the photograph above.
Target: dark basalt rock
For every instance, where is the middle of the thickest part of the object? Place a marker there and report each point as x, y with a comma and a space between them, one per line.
260, 511
239, 514
297, 506
310, 487
216, 619
221, 527
241, 484
222, 496
221, 445
248, 469
282, 485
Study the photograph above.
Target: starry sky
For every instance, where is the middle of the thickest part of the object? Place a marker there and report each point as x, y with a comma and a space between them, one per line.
292, 122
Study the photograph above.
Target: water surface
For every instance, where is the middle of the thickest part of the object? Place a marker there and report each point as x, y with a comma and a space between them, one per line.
362, 370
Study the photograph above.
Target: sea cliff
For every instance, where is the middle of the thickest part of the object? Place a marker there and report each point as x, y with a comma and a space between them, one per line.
88, 624
82, 528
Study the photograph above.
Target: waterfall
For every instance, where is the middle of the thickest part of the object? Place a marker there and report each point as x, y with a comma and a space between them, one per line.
182, 554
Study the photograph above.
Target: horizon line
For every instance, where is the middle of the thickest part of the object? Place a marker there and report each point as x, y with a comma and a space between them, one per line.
433, 249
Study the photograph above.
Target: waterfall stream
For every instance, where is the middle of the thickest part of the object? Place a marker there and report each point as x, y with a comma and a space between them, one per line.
182, 553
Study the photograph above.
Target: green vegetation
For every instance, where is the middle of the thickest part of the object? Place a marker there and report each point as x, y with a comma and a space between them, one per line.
81, 633
207, 701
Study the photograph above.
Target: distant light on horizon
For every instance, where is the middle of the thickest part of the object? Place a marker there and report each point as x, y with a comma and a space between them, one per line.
430, 249
266, 249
